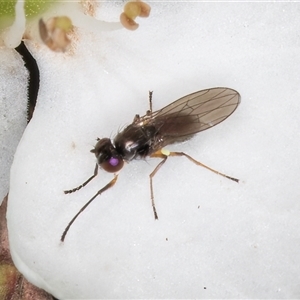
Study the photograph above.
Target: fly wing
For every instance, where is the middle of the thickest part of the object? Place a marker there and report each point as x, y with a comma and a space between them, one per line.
194, 113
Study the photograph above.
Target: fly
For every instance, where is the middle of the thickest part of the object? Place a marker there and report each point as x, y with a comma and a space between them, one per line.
147, 135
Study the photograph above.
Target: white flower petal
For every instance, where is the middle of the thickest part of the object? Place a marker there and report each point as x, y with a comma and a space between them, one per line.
13, 108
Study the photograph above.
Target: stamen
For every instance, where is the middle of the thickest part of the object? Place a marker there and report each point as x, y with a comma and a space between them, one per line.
13, 36
54, 33
132, 10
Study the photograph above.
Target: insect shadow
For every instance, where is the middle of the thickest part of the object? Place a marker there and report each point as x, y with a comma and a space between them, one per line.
147, 135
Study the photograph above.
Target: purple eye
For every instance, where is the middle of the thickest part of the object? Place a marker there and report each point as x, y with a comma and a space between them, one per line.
113, 164
114, 161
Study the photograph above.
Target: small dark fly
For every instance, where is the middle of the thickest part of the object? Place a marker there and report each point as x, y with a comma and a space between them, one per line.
147, 135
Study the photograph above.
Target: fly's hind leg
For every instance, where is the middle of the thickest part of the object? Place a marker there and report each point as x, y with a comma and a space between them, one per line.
198, 163
164, 154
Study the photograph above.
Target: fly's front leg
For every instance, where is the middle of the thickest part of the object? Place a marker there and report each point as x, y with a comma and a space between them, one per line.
85, 183
108, 186
160, 154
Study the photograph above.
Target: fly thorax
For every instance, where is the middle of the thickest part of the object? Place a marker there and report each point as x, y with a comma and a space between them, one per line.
129, 150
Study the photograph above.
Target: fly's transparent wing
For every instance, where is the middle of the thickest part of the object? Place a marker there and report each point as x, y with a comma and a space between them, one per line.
195, 112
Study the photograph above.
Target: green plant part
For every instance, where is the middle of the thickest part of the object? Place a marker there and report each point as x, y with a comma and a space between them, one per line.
32, 8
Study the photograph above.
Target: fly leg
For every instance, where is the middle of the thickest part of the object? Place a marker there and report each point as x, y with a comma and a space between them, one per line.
164, 158
150, 101
164, 154
109, 185
85, 183
202, 165
149, 112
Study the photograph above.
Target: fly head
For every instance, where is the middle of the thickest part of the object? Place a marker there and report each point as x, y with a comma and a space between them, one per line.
107, 156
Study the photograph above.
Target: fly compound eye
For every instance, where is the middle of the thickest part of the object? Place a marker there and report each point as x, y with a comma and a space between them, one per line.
112, 165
